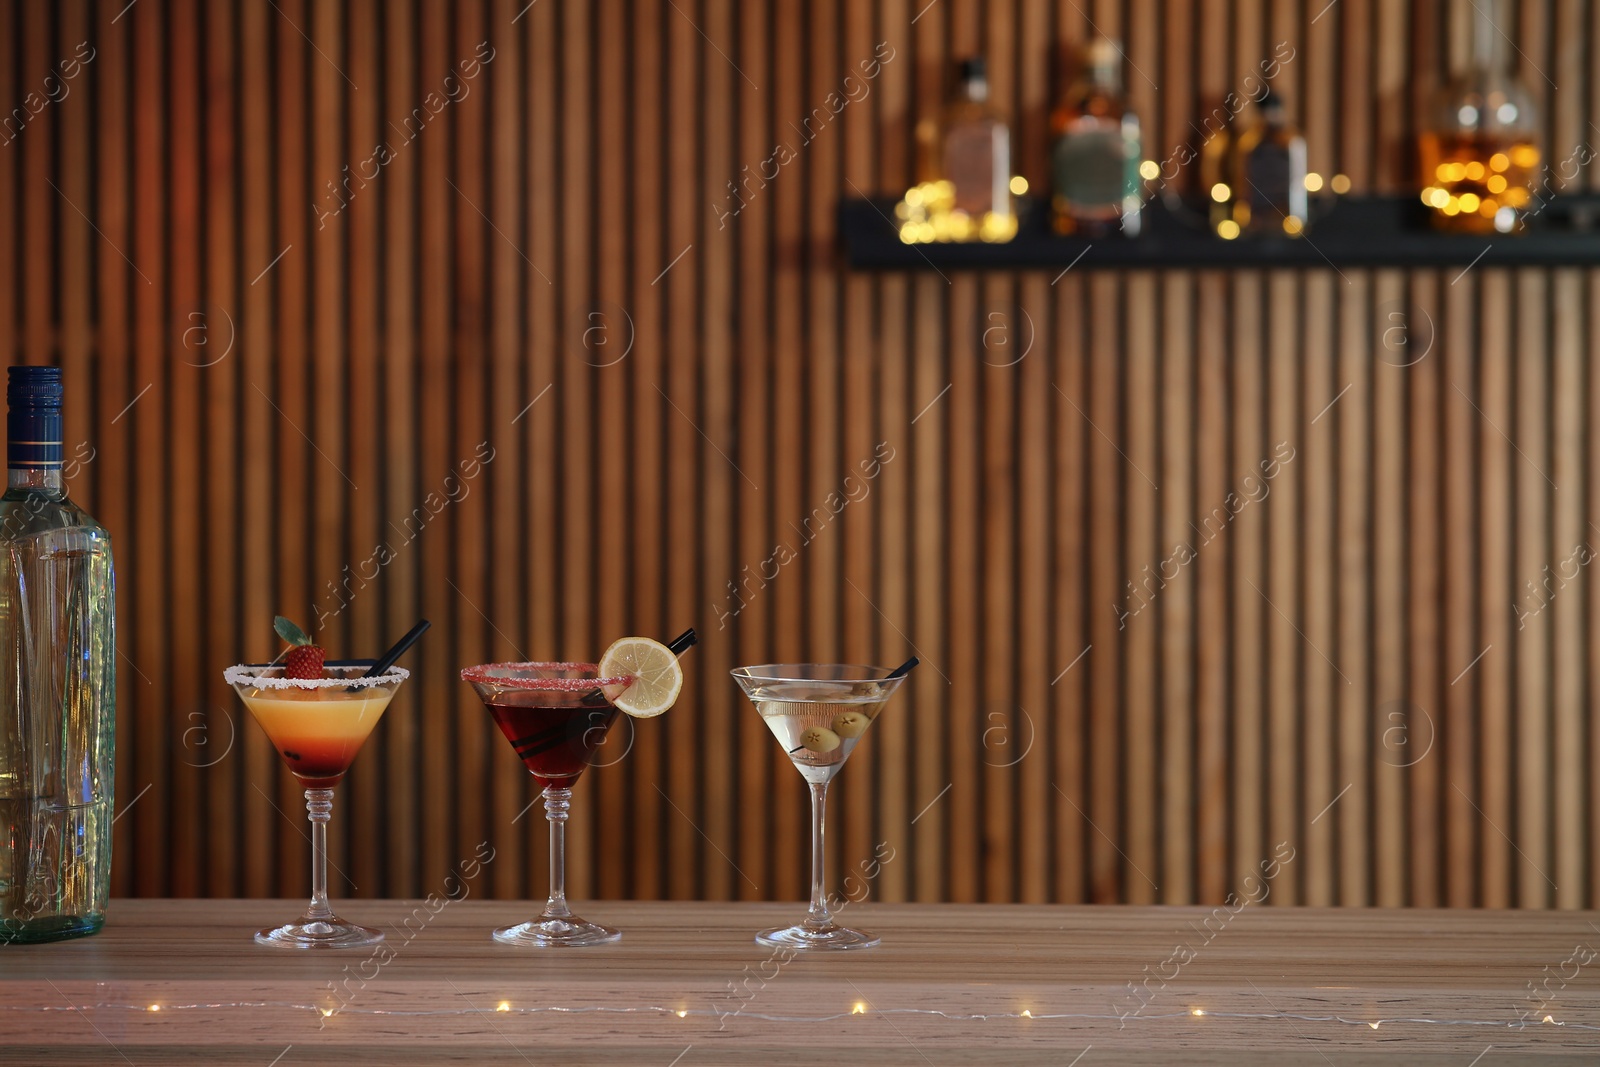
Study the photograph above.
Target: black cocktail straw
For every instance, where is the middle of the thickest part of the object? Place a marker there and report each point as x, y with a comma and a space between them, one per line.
904, 668
387, 660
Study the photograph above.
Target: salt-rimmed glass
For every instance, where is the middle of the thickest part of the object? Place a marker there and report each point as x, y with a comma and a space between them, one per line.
317, 725
556, 716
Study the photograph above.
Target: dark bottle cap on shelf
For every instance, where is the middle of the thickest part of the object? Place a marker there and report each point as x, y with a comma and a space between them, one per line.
33, 421
973, 68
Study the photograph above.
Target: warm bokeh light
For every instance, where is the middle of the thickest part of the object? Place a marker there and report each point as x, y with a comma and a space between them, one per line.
1499, 161
1313, 182
504, 1005
1019, 185
859, 1009
1340, 184
1468, 202
928, 215
1227, 229
1220, 192
1149, 170
1292, 226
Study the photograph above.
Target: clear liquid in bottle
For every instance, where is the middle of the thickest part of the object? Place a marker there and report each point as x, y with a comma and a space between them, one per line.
57, 684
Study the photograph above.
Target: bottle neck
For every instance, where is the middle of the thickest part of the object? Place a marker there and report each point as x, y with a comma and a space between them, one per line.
35, 479
33, 439
1488, 53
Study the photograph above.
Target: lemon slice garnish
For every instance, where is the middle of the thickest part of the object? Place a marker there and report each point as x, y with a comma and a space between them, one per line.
657, 678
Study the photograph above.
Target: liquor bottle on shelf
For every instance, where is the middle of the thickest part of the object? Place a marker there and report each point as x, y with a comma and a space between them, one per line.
1269, 173
1480, 155
57, 683
964, 180
1095, 158
975, 155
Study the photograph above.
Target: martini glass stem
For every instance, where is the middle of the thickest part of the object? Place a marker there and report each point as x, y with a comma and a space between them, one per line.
556, 803
819, 916
319, 807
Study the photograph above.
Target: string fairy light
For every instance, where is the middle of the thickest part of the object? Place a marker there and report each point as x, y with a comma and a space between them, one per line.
858, 1008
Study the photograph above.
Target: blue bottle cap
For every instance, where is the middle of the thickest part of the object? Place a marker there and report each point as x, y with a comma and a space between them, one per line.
33, 422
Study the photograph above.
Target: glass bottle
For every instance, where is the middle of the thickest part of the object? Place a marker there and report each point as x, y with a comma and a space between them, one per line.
1095, 159
57, 683
1269, 173
975, 152
1480, 156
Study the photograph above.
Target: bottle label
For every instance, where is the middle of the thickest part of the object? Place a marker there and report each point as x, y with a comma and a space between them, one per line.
1267, 189
33, 439
971, 159
1091, 167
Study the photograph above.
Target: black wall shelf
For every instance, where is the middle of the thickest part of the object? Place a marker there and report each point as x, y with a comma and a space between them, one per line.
1353, 232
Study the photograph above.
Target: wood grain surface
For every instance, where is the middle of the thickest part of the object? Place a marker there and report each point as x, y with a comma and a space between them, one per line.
180, 981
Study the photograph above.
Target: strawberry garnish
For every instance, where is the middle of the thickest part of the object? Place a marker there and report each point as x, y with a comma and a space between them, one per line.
304, 658
303, 661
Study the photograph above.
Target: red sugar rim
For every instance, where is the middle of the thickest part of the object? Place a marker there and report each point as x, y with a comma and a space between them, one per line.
485, 674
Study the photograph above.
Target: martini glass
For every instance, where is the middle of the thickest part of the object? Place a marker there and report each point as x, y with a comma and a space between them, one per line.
317, 725
556, 716
818, 712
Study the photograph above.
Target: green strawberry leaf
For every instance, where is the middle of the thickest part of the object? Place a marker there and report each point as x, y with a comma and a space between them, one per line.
289, 631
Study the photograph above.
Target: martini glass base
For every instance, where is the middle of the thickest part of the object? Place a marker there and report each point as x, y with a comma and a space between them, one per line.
322, 933
569, 932
826, 936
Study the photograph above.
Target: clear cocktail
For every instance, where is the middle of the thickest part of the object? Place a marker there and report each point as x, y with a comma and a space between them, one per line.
818, 712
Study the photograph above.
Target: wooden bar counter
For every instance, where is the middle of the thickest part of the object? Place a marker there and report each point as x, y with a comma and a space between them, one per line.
178, 982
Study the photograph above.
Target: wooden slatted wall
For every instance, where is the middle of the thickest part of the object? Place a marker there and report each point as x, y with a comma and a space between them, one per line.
601, 245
